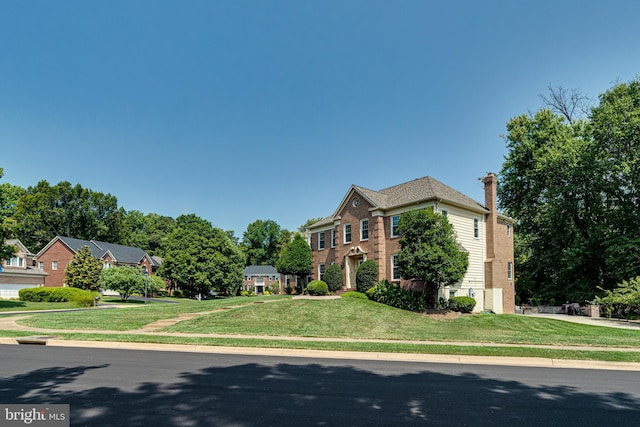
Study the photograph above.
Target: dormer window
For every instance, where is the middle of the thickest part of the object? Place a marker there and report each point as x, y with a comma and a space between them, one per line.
15, 262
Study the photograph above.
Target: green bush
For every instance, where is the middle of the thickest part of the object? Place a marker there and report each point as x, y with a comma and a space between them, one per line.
66, 294
367, 275
317, 287
354, 294
288, 289
462, 304
274, 288
334, 277
388, 293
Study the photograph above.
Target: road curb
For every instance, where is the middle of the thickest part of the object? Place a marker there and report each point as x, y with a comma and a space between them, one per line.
351, 355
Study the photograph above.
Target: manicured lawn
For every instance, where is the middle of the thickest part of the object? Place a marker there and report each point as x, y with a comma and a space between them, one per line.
341, 318
13, 305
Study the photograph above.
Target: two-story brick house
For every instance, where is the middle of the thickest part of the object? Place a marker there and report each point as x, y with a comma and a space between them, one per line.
18, 272
57, 254
364, 226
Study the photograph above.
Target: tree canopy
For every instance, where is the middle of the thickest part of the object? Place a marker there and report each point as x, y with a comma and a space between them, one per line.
200, 258
123, 279
6, 251
263, 241
429, 250
295, 258
47, 211
573, 185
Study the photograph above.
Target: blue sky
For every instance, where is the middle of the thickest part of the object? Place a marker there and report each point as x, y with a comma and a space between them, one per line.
241, 110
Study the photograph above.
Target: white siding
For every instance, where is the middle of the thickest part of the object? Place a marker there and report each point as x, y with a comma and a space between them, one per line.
463, 224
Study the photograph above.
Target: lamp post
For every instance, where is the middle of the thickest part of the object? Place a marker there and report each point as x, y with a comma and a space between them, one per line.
145, 273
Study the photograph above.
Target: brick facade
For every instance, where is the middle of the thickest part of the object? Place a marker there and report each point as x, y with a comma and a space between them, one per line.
492, 259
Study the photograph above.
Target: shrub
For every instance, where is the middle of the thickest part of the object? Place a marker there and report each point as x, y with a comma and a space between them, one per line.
334, 278
177, 293
367, 275
66, 294
317, 287
462, 304
387, 293
354, 294
274, 288
288, 289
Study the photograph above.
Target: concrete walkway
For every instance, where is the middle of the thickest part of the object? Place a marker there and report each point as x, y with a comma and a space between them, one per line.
47, 336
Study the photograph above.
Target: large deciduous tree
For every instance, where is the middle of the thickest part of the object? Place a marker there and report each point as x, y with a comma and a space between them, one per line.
6, 251
429, 250
199, 258
263, 241
574, 187
65, 210
296, 259
83, 270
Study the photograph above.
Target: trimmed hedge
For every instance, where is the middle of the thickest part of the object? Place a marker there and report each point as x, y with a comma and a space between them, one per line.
317, 287
462, 304
354, 294
44, 294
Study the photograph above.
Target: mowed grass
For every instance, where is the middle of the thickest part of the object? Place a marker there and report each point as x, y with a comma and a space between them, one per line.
340, 318
14, 305
128, 316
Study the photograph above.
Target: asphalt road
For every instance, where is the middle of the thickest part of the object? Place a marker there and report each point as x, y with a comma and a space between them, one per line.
153, 388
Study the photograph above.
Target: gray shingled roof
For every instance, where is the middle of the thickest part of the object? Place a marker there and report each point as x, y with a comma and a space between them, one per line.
260, 270
412, 192
121, 253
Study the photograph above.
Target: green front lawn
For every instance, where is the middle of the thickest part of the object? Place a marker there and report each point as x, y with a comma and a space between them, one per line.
15, 305
340, 318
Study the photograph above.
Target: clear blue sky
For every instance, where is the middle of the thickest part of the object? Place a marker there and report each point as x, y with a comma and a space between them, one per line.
243, 110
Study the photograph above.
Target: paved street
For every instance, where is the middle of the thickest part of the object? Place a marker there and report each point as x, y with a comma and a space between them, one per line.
138, 388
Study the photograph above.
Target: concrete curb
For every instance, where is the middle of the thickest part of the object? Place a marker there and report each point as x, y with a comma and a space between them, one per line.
348, 355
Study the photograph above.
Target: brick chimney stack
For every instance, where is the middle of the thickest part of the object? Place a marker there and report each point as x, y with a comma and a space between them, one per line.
490, 202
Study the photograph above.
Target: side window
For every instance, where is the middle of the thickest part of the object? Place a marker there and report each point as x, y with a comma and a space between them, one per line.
394, 226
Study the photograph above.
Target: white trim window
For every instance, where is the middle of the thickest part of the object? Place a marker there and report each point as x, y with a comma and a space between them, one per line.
476, 228
333, 238
508, 230
347, 233
509, 270
445, 213
394, 225
395, 270
15, 262
364, 229
320, 271
54, 265
320, 240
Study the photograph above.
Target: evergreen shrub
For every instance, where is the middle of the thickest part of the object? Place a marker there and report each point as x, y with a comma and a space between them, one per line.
317, 287
462, 304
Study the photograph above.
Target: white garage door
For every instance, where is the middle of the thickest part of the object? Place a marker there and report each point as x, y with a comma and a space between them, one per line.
11, 291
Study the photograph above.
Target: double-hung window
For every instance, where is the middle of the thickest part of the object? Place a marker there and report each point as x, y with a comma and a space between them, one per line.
394, 226
364, 229
395, 271
320, 271
509, 270
476, 227
333, 238
321, 240
347, 233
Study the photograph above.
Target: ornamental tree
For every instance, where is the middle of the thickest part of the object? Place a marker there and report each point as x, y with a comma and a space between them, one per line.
83, 270
123, 279
295, 259
429, 250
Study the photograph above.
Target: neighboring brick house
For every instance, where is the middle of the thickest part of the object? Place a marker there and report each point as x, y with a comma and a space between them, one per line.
260, 278
57, 254
364, 226
18, 271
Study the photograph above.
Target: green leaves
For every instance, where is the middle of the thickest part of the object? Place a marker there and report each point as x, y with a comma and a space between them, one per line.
430, 251
83, 270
